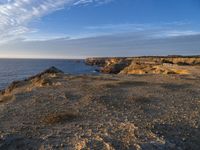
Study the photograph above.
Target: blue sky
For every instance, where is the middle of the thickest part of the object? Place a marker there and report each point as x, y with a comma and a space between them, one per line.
86, 28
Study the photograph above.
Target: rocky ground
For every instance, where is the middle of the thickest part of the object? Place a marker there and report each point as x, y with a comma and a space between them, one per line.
53, 110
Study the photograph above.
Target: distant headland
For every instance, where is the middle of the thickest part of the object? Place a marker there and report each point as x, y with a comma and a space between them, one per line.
173, 64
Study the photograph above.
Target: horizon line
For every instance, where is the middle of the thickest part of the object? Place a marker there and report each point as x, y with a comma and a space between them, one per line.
82, 58
40, 58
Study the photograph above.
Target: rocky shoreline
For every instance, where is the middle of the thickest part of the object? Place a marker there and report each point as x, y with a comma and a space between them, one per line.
146, 65
53, 110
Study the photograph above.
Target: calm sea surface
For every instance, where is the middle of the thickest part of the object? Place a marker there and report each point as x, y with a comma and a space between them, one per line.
18, 69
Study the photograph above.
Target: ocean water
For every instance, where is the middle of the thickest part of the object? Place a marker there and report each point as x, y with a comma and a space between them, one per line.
18, 69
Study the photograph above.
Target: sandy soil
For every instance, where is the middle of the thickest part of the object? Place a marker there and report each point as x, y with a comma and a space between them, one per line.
57, 111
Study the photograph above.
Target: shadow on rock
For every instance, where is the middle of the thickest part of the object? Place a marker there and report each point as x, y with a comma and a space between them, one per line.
171, 86
16, 142
180, 136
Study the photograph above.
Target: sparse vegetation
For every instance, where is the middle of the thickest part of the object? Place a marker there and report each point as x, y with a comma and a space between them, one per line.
102, 112
60, 117
167, 61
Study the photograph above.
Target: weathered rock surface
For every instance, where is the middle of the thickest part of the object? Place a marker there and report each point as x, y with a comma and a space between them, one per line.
96, 61
37, 79
146, 65
139, 68
111, 112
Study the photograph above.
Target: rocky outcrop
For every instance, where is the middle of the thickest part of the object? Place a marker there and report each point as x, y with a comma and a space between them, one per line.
96, 61
108, 65
142, 68
36, 79
114, 65
51, 70
145, 65
113, 68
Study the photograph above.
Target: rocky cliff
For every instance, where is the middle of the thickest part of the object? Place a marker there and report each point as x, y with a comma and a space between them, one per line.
146, 65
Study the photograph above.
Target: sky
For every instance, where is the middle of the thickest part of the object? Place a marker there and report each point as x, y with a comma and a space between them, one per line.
98, 28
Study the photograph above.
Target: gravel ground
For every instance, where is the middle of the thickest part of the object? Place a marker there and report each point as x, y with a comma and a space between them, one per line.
58, 111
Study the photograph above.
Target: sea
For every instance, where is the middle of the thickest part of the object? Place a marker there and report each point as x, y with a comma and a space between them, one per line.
19, 69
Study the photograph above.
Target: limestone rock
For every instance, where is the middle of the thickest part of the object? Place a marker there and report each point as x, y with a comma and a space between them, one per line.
146, 65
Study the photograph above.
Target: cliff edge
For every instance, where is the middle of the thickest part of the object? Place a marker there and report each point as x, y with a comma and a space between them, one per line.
147, 65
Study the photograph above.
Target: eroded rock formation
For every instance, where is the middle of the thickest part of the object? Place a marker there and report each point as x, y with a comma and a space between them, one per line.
38, 80
145, 65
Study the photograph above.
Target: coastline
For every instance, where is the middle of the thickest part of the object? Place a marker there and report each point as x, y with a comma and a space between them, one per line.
61, 111
174, 64
12, 69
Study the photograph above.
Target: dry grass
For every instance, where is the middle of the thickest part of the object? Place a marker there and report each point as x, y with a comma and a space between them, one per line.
6, 98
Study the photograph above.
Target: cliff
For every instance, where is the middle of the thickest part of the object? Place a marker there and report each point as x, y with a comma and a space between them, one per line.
146, 65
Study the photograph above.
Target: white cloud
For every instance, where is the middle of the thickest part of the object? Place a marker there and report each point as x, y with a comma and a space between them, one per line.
175, 33
127, 44
15, 15
159, 30
138, 26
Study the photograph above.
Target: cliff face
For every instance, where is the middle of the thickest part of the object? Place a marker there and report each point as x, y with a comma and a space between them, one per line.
145, 65
96, 61
109, 65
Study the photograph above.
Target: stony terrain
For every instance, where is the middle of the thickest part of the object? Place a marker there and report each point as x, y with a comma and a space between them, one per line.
147, 65
53, 110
